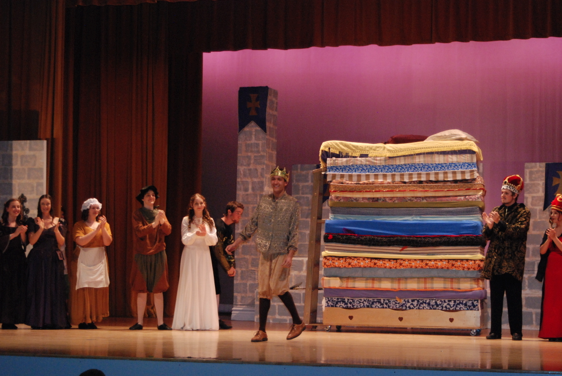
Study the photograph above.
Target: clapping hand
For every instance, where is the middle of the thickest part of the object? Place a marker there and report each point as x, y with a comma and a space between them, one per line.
202, 230
39, 222
21, 230
102, 223
551, 233
487, 220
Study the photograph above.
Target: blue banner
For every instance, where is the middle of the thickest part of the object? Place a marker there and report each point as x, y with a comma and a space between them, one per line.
552, 182
252, 106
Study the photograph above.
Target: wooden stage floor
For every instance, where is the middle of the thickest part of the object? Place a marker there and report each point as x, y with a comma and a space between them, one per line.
350, 347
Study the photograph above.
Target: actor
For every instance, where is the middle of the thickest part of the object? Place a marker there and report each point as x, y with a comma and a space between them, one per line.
550, 269
150, 267
506, 228
89, 292
275, 223
225, 234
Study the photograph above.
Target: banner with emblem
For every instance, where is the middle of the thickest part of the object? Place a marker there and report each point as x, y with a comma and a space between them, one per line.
252, 106
552, 182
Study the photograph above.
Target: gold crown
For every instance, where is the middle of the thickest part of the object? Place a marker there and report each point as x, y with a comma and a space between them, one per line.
278, 172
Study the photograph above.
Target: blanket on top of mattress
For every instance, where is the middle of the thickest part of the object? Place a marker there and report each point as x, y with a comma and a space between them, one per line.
345, 149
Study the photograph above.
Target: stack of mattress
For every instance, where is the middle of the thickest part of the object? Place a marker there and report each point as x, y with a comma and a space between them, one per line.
403, 244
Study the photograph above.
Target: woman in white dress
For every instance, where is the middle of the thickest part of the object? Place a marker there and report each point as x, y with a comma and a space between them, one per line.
196, 304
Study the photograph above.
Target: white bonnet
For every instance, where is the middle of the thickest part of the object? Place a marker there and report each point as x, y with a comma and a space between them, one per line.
89, 202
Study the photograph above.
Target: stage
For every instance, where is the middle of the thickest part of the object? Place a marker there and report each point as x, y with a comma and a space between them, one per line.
118, 351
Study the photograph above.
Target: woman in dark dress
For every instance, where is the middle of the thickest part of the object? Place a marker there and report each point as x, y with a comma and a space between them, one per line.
46, 300
12, 265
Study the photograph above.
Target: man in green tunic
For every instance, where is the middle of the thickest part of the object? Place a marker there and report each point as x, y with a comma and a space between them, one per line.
275, 224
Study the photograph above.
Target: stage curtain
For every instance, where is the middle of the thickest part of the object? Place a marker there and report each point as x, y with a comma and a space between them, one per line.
72, 3
117, 112
31, 80
287, 24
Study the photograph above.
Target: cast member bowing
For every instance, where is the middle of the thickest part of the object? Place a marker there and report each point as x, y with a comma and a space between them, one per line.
150, 266
89, 277
46, 285
13, 265
551, 268
196, 304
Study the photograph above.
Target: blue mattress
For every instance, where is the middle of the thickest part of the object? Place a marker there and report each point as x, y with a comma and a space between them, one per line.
401, 228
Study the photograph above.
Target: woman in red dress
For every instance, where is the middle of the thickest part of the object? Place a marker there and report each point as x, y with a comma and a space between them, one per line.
551, 252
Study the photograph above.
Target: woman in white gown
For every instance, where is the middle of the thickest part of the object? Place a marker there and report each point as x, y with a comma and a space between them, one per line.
196, 303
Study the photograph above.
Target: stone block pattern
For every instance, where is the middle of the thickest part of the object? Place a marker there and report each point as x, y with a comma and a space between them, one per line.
23, 169
257, 155
532, 289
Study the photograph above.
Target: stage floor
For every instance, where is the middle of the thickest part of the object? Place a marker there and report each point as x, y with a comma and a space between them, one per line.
350, 347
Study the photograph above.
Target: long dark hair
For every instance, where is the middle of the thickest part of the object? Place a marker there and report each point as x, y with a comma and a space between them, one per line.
191, 213
39, 212
5, 214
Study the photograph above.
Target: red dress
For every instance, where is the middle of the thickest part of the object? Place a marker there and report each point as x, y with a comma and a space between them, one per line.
551, 324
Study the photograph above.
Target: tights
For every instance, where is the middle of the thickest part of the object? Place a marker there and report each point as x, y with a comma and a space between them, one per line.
158, 303
287, 299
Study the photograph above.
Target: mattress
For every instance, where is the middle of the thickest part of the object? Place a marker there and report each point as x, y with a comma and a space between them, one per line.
328, 252
433, 294
366, 262
408, 212
405, 304
400, 273
401, 284
405, 176
462, 156
399, 252
400, 169
410, 241
400, 228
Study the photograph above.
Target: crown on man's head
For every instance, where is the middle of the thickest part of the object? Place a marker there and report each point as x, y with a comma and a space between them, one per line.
513, 183
278, 172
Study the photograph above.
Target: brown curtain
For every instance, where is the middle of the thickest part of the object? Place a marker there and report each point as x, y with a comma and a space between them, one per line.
224, 25
25, 26
31, 80
118, 115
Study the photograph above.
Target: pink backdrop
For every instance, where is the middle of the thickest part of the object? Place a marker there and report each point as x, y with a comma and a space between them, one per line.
506, 94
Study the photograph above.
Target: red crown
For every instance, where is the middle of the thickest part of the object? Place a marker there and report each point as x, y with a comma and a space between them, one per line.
514, 183
557, 203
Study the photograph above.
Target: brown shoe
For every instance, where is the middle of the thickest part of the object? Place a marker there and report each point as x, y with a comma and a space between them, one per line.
260, 336
296, 330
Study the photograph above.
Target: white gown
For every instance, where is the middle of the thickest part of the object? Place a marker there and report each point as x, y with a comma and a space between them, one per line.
196, 302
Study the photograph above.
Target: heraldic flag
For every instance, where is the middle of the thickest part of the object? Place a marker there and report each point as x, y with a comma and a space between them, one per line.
552, 182
252, 106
